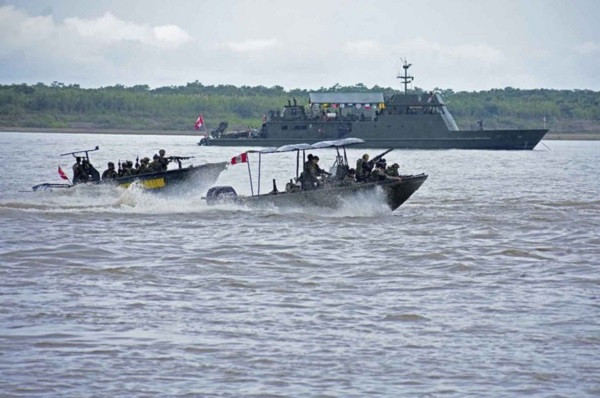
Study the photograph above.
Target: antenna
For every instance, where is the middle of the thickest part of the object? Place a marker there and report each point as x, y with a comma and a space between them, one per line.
405, 78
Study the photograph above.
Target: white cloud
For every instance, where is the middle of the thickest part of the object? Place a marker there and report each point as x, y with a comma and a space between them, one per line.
109, 29
171, 34
250, 45
21, 32
105, 50
587, 48
479, 52
364, 48
482, 54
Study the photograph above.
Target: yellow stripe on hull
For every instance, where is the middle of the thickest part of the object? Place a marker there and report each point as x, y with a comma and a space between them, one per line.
154, 183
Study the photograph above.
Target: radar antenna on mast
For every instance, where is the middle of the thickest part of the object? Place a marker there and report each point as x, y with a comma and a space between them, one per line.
405, 78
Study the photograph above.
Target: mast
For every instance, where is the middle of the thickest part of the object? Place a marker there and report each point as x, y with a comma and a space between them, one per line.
405, 79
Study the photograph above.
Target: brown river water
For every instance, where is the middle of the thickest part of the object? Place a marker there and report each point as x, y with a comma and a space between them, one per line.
484, 283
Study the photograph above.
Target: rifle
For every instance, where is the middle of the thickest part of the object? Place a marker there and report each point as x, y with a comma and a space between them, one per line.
380, 156
178, 159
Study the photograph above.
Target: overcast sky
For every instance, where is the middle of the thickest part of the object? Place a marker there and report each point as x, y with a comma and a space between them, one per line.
458, 44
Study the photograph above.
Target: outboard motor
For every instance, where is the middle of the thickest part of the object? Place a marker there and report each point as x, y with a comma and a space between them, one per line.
220, 195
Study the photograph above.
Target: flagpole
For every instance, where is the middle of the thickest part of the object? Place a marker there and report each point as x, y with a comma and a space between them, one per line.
205, 128
250, 175
259, 159
67, 178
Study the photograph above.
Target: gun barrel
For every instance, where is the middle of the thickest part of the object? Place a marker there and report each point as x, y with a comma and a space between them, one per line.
82, 151
381, 155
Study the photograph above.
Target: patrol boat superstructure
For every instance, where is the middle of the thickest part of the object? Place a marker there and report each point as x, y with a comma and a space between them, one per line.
412, 121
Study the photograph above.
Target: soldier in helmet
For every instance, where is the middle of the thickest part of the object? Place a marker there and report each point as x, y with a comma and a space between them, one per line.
126, 168
392, 171
162, 160
109, 173
154, 165
77, 170
143, 166
363, 168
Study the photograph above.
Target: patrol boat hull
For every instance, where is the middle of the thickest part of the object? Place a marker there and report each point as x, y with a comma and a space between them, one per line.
464, 139
205, 175
396, 193
407, 121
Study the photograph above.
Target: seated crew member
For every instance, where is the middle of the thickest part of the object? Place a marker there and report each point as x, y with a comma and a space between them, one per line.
143, 166
320, 172
350, 177
308, 163
309, 177
392, 171
154, 165
378, 174
110, 173
126, 168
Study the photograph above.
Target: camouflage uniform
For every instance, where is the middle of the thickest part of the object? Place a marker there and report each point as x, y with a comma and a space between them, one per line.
164, 162
110, 173
392, 171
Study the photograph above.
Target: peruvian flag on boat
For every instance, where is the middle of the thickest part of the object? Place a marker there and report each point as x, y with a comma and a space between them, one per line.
62, 174
241, 158
199, 122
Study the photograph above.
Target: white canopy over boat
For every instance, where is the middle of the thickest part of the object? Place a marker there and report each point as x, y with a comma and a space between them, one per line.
317, 145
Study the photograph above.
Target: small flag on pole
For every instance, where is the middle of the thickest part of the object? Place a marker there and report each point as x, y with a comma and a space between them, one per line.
62, 174
241, 158
199, 122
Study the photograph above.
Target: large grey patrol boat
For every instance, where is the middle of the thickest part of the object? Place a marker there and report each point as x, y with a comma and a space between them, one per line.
413, 121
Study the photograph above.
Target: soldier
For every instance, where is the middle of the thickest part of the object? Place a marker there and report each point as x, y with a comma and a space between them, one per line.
109, 173
392, 171
350, 177
319, 171
155, 165
164, 162
308, 163
85, 171
378, 173
126, 168
144, 166
363, 168
77, 170
309, 177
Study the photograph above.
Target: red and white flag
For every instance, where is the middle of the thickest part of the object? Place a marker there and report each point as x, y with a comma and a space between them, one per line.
62, 174
199, 122
241, 158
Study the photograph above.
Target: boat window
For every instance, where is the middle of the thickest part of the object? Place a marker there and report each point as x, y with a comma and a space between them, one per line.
300, 127
284, 127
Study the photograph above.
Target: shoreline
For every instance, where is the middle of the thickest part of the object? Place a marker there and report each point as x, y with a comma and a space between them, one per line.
549, 136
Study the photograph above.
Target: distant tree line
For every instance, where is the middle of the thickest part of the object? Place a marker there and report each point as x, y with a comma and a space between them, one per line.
176, 107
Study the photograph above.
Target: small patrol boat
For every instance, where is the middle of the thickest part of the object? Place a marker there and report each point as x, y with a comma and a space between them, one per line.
330, 192
205, 174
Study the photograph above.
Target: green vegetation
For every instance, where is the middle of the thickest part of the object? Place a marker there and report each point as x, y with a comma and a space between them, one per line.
176, 108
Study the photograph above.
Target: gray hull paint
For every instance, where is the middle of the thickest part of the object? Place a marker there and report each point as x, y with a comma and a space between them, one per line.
396, 193
486, 139
406, 121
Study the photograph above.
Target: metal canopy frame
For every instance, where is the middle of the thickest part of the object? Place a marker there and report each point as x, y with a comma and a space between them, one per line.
337, 144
